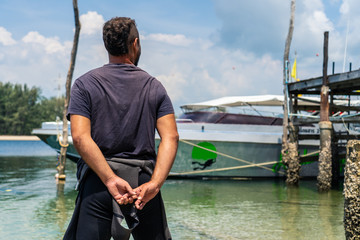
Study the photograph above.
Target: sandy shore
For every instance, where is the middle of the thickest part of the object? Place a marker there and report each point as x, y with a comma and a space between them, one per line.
18, 138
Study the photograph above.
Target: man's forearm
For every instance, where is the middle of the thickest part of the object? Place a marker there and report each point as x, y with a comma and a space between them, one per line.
93, 157
166, 127
165, 159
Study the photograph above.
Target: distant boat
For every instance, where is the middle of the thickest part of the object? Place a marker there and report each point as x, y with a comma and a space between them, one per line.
216, 143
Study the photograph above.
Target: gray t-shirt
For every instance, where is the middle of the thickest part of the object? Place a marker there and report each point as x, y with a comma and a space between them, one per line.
123, 103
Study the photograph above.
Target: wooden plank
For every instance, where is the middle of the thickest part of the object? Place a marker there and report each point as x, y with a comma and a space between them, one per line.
18, 138
302, 121
335, 108
340, 81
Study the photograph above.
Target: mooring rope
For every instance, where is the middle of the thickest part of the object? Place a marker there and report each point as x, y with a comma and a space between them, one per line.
227, 168
59, 135
60, 143
347, 129
310, 154
249, 164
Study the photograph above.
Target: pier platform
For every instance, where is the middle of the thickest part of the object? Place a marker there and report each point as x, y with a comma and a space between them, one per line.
18, 138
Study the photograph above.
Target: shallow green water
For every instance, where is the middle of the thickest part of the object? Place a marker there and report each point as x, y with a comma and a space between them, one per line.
33, 206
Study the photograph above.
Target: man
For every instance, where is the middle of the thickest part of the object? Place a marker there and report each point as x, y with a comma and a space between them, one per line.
114, 111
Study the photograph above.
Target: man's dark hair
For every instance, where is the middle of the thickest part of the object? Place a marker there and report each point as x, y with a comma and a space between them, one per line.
118, 34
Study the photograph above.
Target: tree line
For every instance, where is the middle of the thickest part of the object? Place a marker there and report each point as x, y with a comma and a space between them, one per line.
22, 109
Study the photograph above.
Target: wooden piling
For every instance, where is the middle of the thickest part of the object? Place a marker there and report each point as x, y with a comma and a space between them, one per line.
285, 151
325, 165
352, 190
293, 160
64, 143
324, 92
325, 170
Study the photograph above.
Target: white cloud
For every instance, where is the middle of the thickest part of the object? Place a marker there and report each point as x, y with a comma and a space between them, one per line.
345, 8
244, 57
5, 37
172, 83
172, 39
350, 8
350, 17
318, 22
313, 5
311, 22
257, 26
91, 23
51, 45
36, 61
195, 74
311, 19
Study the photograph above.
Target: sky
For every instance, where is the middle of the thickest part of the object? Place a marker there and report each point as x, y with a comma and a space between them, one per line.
199, 50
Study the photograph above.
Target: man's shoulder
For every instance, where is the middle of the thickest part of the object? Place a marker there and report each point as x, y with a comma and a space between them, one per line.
88, 77
92, 72
142, 72
145, 76
108, 72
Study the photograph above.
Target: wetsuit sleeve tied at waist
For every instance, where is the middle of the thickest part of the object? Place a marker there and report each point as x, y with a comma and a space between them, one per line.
127, 169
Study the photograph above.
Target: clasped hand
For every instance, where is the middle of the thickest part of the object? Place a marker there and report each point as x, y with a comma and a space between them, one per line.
124, 194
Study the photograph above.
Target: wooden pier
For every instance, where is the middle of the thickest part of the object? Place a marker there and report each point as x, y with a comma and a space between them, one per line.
18, 138
337, 104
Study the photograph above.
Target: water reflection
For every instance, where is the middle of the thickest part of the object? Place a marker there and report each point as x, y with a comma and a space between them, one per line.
329, 205
30, 198
307, 214
290, 210
57, 211
252, 210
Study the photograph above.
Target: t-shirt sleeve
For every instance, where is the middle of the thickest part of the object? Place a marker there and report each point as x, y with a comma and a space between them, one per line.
79, 101
164, 104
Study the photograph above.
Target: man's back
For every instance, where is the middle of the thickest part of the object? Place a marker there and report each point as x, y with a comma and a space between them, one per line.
123, 103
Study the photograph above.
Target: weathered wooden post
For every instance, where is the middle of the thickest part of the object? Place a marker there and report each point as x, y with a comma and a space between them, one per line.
289, 149
352, 190
325, 170
64, 141
293, 164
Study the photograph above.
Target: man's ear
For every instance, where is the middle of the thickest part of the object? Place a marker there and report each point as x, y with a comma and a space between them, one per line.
136, 43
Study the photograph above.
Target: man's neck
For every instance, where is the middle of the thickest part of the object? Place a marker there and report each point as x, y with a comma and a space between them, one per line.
125, 59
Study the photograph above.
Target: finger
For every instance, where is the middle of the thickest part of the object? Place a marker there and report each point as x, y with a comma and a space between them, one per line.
115, 193
130, 190
138, 190
137, 203
134, 196
117, 197
126, 199
140, 205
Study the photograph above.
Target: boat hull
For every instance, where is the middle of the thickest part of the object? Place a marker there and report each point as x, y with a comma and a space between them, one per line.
218, 151
236, 160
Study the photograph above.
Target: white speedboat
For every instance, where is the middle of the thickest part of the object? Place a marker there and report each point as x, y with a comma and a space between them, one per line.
217, 143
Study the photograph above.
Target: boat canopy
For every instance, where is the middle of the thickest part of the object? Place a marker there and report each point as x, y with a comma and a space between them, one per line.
256, 100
